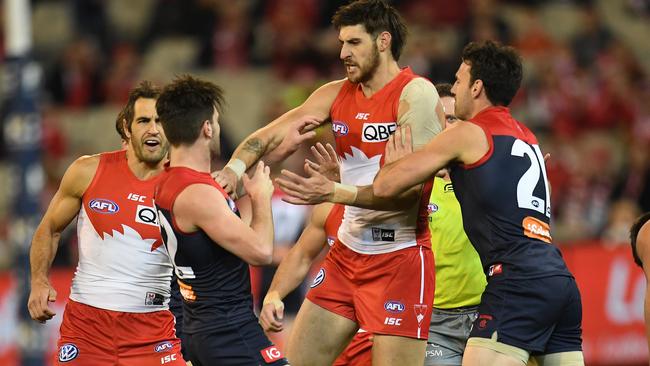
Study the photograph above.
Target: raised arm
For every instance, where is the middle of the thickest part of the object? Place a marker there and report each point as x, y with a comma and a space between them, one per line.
463, 142
63, 208
312, 112
294, 268
200, 206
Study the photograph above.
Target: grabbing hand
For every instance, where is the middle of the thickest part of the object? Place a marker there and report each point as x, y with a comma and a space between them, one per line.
396, 148
299, 131
327, 162
260, 185
39, 297
305, 191
227, 179
272, 314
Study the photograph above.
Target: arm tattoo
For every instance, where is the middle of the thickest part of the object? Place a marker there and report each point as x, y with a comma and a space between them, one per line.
254, 145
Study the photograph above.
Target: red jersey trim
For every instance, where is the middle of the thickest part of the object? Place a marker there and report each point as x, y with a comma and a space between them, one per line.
488, 154
101, 167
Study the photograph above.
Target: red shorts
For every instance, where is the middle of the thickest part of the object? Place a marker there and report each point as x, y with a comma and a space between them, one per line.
387, 294
358, 352
98, 337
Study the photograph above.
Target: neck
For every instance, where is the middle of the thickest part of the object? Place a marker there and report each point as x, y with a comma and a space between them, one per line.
141, 169
480, 105
196, 156
383, 75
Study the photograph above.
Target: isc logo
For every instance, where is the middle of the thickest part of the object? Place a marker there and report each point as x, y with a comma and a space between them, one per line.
168, 359
340, 128
377, 132
363, 116
392, 321
104, 206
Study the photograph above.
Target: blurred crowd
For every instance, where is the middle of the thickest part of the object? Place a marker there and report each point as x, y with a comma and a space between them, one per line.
586, 89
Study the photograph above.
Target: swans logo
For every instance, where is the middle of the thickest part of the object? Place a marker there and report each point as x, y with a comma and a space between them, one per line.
68, 352
320, 277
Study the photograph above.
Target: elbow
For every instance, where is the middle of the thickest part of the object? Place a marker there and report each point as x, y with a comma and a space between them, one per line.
381, 189
263, 257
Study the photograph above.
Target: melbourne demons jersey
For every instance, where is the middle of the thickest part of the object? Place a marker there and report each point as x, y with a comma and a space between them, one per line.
505, 201
361, 128
123, 265
214, 283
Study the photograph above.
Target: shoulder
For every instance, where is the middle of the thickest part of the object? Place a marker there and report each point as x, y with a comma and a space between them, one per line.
419, 87
80, 174
320, 213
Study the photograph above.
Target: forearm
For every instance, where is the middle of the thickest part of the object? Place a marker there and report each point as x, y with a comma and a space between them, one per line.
292, 271
42, 253
397, 177
365, 198
262, 224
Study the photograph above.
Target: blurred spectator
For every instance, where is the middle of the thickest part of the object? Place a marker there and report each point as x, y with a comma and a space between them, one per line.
122, 74
592, 39
633, 182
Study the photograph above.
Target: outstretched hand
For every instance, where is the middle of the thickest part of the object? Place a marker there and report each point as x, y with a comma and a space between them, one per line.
327, 162
314, 189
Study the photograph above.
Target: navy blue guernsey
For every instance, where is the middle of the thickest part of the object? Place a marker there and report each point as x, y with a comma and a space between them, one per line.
214, 283
505, 201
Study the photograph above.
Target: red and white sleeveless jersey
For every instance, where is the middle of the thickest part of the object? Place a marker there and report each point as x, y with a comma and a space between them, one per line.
123, 265
361, 128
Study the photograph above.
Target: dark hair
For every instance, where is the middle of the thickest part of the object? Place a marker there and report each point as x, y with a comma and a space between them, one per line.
498, 66
184, 105
444, 90
376, 16
145, 90
634, 233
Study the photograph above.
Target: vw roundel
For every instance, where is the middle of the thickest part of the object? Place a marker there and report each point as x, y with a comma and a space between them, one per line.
68, 352
163, 346
103, 206
340, 128
394, 306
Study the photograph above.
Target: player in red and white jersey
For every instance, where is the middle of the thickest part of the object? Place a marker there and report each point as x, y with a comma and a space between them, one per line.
118, 309
381, 276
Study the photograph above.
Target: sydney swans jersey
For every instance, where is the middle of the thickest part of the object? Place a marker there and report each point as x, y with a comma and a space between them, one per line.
123, 265
362, 127
505, 201
333, 222
214, 283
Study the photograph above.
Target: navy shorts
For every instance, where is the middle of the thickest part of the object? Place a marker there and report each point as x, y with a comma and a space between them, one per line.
541, 316
241, 344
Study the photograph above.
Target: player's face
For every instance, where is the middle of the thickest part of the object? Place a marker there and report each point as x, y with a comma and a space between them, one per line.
146, 137
215, 144
462, 90
359, 53
448, 104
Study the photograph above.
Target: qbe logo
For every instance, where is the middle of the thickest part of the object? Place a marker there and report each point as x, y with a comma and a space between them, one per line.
271, 354
377, 132
68, 352
340, 128
104, 206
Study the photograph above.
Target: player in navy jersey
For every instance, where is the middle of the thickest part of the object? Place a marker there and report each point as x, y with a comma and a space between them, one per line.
210, 246
531, 307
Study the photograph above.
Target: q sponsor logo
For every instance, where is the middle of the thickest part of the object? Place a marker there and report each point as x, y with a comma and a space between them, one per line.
340, 128
163, 346
320, 277
68, 352
104, 206
394, 306
377, 132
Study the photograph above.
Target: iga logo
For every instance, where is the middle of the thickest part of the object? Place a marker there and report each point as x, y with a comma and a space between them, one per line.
104, 206
394, 306
340, 128
377, 132
163, 346
68, 352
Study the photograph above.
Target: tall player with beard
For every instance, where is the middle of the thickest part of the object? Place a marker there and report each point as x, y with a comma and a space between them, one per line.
210, 246
377, 252
118, 309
